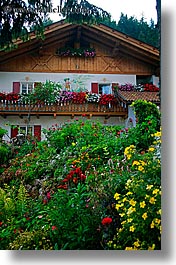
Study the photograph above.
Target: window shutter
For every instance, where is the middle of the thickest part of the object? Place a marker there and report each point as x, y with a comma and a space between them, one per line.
94, 88
37, 132
16, 87
14, 132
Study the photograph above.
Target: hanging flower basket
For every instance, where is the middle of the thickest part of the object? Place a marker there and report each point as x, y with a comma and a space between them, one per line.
80, 52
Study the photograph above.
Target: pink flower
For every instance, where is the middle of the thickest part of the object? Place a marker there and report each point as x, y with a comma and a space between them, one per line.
45, 201
54, 227
106, 221
48, 195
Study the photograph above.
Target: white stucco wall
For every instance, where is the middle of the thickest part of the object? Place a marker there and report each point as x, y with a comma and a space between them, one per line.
7, 79
131, 120
47, 121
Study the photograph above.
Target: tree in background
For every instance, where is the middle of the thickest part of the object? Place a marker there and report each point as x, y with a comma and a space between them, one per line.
18, 17
138, 29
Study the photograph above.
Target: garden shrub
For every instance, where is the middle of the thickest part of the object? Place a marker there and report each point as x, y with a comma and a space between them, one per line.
143, 109
62, 194
4, 153
139, 207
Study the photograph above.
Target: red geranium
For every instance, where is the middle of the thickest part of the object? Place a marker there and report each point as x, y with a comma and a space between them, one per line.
151, 88
106, 99
106, 221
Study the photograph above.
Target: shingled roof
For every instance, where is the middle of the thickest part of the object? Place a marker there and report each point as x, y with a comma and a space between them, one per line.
130, 96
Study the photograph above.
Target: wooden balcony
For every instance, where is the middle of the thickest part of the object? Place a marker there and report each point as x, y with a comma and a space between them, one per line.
69, 109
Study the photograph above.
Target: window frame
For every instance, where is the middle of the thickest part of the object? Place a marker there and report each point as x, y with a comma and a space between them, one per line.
104, 84
26, 129
28, 90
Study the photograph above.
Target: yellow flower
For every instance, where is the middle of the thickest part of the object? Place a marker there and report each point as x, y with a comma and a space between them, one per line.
124, 199
159, 211
73, 144
140, 168
109, 243
135, 163
142, 204
128, 151
128, 248
142, 162
136, 243
151, 149
152, 247
121, 214
128, 156
157, 134
157, 221
129, 193
132, 202
144, 216
155, 191
152, 225
129, 220
152, 200
132, 228
116, 196
117, 206
149, 187
128, 182
131, 210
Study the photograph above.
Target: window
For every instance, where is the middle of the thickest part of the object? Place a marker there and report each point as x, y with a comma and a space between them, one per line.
140, 79
26, 130
101, 88
27, 87
104, 89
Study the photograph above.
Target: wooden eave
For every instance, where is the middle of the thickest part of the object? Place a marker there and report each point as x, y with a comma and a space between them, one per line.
61, 32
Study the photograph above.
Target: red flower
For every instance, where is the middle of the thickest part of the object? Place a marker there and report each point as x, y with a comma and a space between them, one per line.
64, 187
82, 177
106, 221
54, 227
66, 179
45, 201
48, 195
75, 180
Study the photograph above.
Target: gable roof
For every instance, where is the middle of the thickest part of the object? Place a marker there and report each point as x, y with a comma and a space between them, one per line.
62, 32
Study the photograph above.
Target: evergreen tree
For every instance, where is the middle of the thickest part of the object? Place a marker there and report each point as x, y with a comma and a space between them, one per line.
18, 17
138, 29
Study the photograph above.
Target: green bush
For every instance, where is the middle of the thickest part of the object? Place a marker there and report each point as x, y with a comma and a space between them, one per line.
59, 194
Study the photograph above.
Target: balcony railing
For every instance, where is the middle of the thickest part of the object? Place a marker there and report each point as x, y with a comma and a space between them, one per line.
17, 108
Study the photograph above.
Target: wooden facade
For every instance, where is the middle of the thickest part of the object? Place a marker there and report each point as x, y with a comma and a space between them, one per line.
116, 53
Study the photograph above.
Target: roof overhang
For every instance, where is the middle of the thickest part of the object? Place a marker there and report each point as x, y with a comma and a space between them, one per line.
62, 32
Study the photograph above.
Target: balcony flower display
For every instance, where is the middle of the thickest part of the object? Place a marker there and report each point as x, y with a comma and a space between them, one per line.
151, 88
9, 96
65, 97
2, 96
77, 52
79, 97
107, 99
126, 87
92, 98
